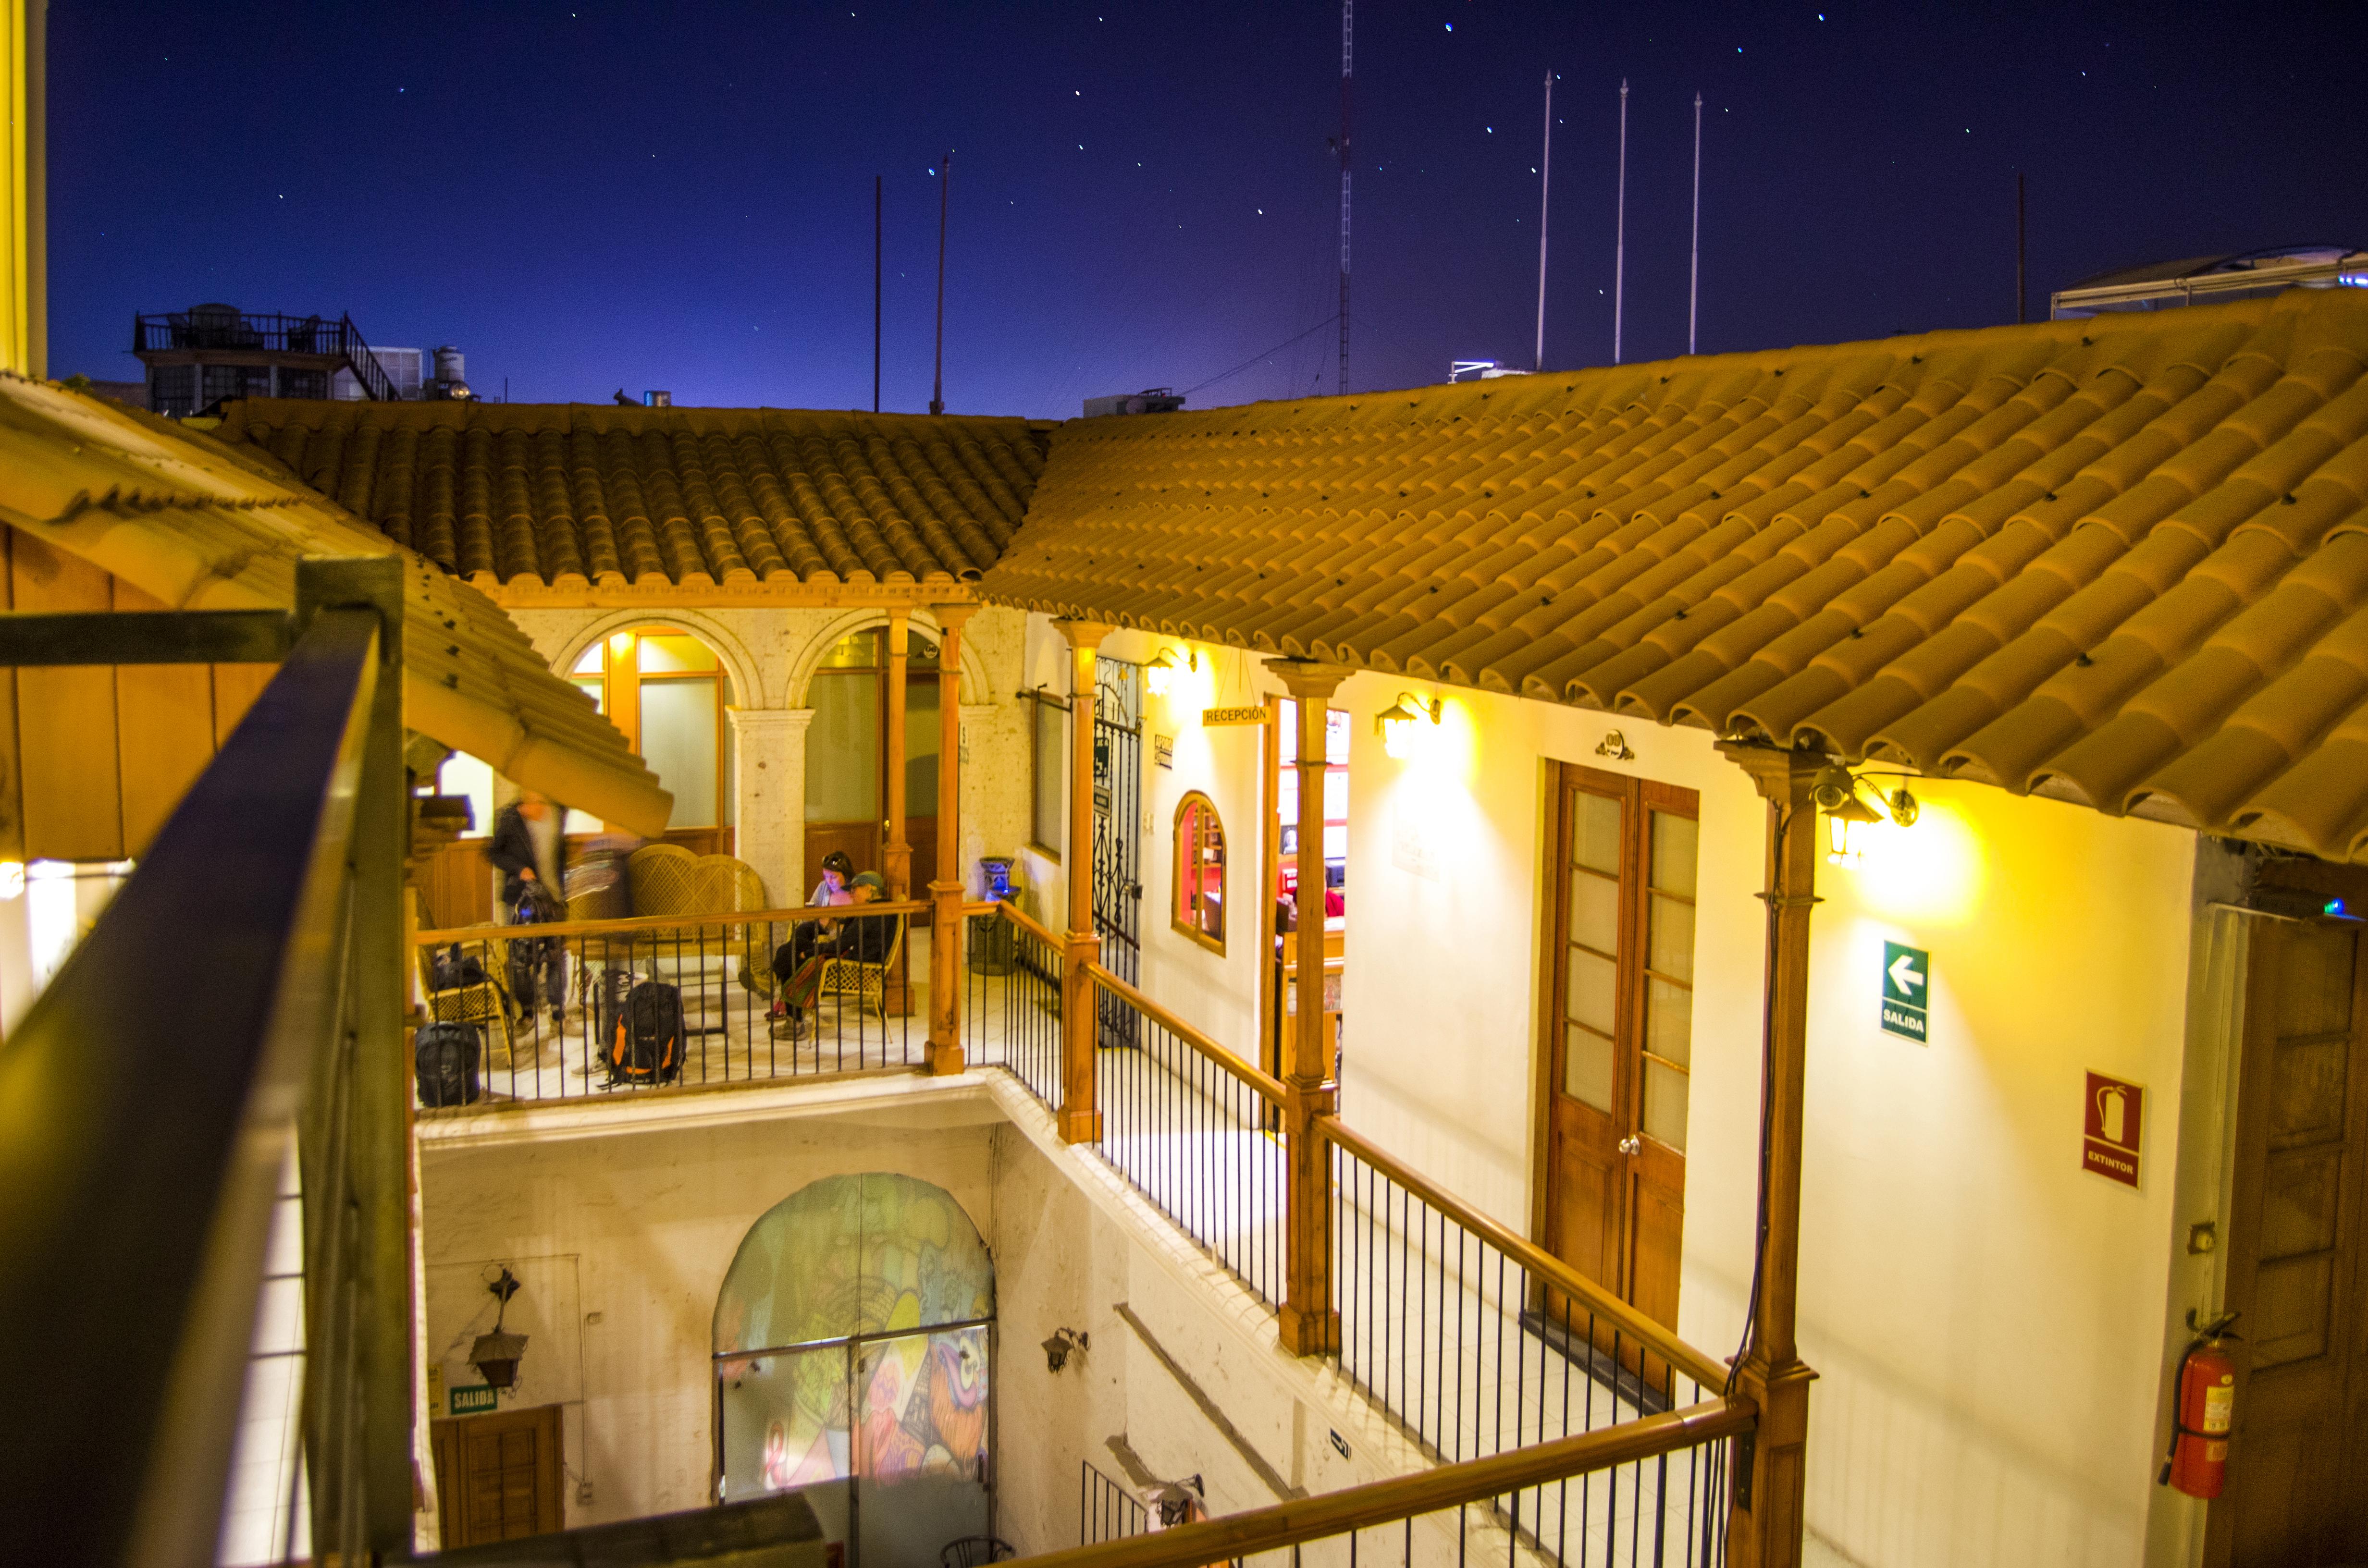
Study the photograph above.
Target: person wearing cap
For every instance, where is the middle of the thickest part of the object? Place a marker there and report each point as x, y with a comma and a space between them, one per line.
865, 938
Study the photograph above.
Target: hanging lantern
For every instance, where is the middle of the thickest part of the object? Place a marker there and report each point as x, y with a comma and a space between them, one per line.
496, 1355
1396, 723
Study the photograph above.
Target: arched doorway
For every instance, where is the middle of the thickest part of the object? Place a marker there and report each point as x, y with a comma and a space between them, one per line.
847, 751
853, 1347
666, 691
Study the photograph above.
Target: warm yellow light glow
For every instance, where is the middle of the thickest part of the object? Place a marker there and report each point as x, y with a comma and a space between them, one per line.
1930, 874
1160, 674
620, 644
11, 878
1402, 725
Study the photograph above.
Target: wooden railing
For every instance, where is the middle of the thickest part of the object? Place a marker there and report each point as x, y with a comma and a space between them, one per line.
1372, 1509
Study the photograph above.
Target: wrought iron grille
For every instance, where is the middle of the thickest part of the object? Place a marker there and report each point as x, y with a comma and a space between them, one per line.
1117, 846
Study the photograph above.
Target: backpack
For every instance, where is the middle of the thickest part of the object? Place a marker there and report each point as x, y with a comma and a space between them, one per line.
607, 1004
645, 1044
451, 971
444, 1060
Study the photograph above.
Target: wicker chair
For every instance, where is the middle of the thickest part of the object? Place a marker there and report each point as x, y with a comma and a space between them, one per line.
867, 984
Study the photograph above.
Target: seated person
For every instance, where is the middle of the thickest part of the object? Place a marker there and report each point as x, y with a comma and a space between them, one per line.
865, 938
831, 891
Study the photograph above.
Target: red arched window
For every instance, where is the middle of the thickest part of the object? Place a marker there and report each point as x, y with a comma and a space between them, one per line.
1200, 872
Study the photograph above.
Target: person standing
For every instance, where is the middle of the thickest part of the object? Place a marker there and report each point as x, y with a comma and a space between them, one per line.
530, 849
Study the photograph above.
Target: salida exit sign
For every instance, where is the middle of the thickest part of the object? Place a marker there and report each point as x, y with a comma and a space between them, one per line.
1907, 989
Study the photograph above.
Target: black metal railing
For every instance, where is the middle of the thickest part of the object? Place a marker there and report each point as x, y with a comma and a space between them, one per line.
1106, 1510
234, 1014
1026, 1011
1185, 1122
556, 1014
249, 332
1480, 1344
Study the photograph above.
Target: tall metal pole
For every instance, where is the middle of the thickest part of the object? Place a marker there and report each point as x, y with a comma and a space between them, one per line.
1545, 183
2021, 293
945, 189
1347, 79
876, 203
1693, 263
1620, 228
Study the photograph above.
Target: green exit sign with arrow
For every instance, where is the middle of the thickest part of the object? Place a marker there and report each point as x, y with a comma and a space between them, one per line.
1907, 989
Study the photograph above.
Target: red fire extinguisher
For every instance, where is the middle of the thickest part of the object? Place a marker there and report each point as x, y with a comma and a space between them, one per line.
2198, 1461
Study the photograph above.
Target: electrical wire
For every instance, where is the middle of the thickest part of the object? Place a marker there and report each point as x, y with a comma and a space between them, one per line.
1265, 353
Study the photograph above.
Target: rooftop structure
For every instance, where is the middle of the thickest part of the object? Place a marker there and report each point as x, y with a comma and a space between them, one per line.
2245, 275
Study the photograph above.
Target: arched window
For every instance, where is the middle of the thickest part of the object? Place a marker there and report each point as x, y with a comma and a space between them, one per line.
1200, 872
665, 692
852, 1339
847, 751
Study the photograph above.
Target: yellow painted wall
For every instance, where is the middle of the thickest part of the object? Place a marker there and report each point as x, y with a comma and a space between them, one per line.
1986, 1317
23, 263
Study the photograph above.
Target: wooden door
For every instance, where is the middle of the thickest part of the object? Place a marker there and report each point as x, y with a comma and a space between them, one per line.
497, 1476
1618, 1009
2295, 1490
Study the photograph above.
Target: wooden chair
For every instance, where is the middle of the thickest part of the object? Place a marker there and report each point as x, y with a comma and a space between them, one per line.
976, 1552
867, 984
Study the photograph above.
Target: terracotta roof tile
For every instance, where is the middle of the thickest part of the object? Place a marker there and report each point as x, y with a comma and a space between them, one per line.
2122, 561
573, 495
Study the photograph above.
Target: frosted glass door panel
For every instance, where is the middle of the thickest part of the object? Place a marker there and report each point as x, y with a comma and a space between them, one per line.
843, 749
678, 743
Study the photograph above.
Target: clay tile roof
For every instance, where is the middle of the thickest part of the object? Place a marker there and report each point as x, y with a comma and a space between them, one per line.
2121, 561
584, 495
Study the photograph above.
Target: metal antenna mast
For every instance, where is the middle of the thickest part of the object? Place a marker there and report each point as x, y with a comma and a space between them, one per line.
1545, 182
877, 207
1693, 263
1348, 78
1620, 229
945, 192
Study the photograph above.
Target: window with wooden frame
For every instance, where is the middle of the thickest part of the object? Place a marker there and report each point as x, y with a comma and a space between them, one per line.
666, 691
1048, 750
1200, 910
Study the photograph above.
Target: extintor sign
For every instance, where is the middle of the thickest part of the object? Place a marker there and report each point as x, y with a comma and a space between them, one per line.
2113, 1121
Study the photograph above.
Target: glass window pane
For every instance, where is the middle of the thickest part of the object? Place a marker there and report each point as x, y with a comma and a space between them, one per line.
920, 650
785, 1422
1668, 1020
678, 743
1286, 796
1665, 1104
1675, 840
921, 1444
597, 691
1594, 989
588, 663
1670, 949
843, 749
1595, 911
465, 775
921, 737
669, 652
1336, 737
1336, 843
1336, 795
855, 650
1597, 840
1287, 727
1586, 1067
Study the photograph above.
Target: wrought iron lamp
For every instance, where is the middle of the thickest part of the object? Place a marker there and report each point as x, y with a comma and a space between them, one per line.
496, 1355
1160, 674
1064, 1341
1396, 723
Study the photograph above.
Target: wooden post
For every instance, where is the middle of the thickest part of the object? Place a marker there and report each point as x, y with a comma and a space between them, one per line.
1081, 1116
896, 854
1308, 1320
946, 891
1765, 1520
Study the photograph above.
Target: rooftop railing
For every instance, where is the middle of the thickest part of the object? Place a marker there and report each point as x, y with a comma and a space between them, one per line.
248, 332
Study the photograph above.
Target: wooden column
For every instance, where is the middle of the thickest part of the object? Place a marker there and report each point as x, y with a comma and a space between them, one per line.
1081, 1116
1308, 1321
1770, 1473
896, 854
946, 892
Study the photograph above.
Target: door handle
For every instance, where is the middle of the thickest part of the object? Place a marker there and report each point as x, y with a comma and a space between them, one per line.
1632, 1144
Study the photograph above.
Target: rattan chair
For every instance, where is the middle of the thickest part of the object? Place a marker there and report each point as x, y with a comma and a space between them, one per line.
976, 1552
866, 983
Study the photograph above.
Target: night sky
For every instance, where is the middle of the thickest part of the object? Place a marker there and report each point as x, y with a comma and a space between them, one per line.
586, 197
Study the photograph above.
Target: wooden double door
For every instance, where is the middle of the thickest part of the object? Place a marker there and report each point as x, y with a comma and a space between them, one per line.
2297, 1483
1618, 1012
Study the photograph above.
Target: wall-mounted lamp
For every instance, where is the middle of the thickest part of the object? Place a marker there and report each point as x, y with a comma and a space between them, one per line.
1064, 1341
1395, 725
1181, 1502
1160, 674
496, 1355
1849, 819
